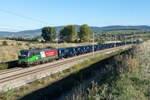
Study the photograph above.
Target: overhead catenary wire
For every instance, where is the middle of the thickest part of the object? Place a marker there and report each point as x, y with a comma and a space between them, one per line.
23, 16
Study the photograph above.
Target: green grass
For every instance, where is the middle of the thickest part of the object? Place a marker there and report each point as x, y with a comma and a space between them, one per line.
125, 87
3, 66
4, 96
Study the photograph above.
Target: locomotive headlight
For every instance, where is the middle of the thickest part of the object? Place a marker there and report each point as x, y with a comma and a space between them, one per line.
36, 58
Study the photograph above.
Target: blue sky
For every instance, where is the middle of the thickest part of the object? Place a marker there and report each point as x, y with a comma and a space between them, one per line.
16, 15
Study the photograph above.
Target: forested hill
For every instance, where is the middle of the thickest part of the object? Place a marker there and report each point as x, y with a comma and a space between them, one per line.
37, 32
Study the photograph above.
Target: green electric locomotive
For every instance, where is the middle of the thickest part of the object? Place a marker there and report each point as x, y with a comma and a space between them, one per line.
37, 56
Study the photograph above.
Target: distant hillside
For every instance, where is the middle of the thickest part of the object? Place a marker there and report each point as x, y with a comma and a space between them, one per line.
4, 33
37, 32
117, 27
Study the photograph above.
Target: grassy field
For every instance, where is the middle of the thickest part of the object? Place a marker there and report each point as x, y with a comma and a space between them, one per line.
120, 31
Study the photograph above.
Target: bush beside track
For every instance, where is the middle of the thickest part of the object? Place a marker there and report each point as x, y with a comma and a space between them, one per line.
8, 65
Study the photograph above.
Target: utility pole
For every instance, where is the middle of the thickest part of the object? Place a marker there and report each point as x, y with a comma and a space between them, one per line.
115, 39
125, 38
57, 39
133, 36
93, 43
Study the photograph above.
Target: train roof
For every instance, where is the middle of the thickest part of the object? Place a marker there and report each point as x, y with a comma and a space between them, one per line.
37, 49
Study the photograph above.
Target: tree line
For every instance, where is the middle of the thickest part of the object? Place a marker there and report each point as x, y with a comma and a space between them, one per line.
68, 33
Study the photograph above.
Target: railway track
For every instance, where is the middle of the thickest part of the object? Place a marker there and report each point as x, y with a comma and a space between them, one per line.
10, 70
16, 73
2, 80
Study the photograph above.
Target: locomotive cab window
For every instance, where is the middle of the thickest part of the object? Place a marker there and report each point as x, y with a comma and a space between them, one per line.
31, 54
24, 53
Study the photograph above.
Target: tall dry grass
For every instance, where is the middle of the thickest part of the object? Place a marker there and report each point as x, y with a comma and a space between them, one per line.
126, 77
143, 59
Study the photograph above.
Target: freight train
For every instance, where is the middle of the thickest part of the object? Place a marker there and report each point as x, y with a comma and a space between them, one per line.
43, 55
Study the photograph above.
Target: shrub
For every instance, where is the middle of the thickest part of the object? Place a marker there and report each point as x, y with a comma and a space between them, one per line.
4, 43
124, 63
3, 66
19, 44
101, 41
